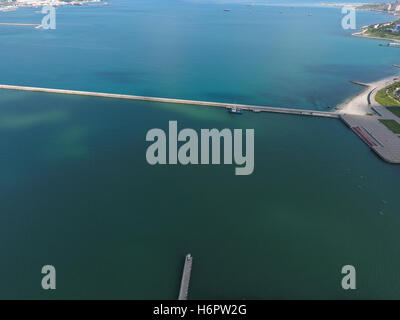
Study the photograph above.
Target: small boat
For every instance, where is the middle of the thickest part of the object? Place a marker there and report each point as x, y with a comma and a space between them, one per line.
256, 110
227, 10
235, 110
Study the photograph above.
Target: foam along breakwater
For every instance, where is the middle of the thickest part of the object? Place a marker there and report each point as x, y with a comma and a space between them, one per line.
294, 111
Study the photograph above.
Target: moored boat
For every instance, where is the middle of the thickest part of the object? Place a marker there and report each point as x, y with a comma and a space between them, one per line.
235, 110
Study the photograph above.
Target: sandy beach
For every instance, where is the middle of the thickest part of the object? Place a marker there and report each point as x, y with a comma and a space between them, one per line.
360, 104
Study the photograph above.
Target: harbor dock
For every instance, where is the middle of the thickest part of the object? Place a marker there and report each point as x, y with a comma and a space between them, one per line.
187, 270
378, 138
294, 111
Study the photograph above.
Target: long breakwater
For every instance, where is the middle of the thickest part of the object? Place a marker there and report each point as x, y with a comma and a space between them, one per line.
177, 101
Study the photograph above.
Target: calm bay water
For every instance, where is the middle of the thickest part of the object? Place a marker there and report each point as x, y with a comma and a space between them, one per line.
76, 191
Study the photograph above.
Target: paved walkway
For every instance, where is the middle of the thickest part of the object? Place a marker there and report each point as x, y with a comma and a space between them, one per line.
376, 135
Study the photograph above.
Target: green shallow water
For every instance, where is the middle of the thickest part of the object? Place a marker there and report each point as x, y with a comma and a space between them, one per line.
76, 190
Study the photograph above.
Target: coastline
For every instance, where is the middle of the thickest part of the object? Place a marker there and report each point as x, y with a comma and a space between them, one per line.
6, 7
358, 7
357, 104
362, 103
362, 35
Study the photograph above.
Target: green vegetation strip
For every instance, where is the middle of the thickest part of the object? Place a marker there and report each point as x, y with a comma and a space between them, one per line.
385, 96
394, 110
392, 125
383, 32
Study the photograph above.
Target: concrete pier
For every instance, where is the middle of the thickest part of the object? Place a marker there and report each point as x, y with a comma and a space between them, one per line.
360, 83
187, 270
20, 24
295, 111
378, 138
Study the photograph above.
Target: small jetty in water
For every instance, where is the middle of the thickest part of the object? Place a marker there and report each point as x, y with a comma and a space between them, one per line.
187, 270
13, 24
360, 83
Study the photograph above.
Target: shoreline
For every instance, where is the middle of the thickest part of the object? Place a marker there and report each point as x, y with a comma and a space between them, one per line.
54, 3
360, 104
357, 6
363, 103
363, 35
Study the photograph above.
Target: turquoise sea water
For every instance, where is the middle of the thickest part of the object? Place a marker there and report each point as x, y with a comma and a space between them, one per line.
76, 191
196, 51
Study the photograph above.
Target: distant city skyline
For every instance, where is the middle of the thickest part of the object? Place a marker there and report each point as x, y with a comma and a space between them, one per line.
292, 2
